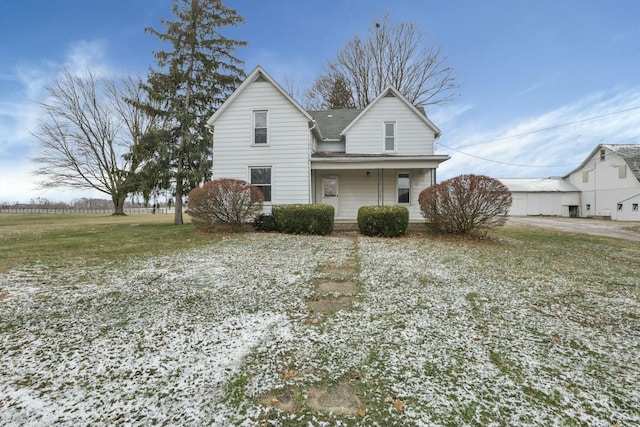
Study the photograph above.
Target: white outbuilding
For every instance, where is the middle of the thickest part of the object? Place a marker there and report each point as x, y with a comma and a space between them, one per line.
543, 196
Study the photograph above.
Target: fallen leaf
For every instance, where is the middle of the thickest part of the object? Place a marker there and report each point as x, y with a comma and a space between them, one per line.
362, 412
557, 339
398, 405
274, 401
289, 373
389, 399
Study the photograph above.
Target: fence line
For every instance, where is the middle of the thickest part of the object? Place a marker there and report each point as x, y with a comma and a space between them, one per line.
128, 211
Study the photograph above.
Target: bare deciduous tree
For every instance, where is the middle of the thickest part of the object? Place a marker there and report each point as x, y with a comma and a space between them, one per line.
88, 134
392, 54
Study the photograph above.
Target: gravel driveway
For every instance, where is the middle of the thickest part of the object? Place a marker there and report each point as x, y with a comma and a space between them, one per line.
597, 227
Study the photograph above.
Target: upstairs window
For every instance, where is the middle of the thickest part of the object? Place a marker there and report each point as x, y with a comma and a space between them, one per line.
602, 154
622, 171
585, 176
261, 179
260, 127
404, 188
619, 206
634, 207
390, 136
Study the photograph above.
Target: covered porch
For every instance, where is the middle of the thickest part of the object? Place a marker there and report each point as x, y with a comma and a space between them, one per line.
348, 182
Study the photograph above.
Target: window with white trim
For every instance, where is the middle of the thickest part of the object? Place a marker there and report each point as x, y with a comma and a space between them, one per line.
260, 178
389, 136
585, 176
260, 128
404, 188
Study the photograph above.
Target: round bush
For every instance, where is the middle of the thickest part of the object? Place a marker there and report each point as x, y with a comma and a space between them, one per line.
385, 221
304, 219
466, 204
265, 222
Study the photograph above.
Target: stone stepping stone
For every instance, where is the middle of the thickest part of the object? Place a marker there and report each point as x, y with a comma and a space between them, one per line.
328, 305
282, 400
344, 288
341, 399
339, 270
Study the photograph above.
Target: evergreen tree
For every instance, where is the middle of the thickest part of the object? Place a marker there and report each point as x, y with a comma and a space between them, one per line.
194, 75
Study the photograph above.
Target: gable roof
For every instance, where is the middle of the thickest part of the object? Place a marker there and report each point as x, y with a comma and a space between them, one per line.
630, 153
257, 74
538, 185
391, 91
332, 122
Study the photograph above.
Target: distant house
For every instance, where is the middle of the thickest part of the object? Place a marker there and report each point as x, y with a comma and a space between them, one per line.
606, 185
380, 155
609, 182
543, 196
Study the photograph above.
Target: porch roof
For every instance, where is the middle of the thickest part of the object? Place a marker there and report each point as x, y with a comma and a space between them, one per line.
326, 160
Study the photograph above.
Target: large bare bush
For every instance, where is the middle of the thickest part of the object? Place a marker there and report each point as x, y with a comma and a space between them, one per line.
466, 204
229, 201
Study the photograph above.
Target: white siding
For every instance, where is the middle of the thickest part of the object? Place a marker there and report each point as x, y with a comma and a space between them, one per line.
356, 189
413, 136
627, 213
605, 189
287, 152
547, 204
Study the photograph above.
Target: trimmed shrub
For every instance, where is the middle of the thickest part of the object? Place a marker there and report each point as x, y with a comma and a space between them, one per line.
224, 201
385, 221
265, 222
304, 219
466, 204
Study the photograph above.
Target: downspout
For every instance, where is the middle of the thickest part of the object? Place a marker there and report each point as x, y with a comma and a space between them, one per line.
311, 198
382, 187
378, 187
210, 130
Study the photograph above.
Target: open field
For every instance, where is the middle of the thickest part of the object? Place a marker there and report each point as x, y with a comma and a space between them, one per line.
533, 327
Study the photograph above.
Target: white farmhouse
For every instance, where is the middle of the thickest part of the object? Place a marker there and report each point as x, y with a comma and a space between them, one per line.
609, 182
380, 155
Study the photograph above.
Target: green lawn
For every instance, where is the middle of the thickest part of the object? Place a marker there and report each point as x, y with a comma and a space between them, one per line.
65, 240
106, 322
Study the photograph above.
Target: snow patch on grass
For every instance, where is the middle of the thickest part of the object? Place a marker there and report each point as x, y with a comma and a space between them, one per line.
462, 333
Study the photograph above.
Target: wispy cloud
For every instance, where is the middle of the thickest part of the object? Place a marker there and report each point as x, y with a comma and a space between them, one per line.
20, 96
549, 144
83, 55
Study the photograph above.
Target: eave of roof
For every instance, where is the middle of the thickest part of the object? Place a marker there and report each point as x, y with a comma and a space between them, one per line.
396, 93
252, 77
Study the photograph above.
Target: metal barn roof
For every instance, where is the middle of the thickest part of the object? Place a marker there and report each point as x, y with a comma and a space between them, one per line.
538, 185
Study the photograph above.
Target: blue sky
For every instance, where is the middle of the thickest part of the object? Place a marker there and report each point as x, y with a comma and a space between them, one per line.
544, 81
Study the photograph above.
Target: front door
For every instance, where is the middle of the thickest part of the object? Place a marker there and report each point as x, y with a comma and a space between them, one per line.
330, 192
